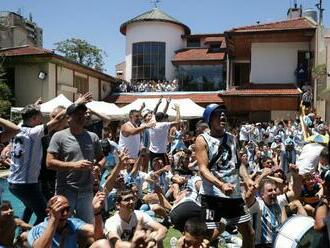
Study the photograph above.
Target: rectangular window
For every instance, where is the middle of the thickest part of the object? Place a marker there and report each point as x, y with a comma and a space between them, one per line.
148, 61
193, 42
81, 83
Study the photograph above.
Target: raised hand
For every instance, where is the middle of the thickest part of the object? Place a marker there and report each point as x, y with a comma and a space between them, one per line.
56, 208
98, 201
176, 107
227, 188
83, 99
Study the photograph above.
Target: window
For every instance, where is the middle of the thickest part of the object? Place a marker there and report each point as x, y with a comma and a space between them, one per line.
148, 61
201, 77
193, 42
81, 84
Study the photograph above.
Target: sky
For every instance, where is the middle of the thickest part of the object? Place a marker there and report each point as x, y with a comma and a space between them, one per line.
98, 21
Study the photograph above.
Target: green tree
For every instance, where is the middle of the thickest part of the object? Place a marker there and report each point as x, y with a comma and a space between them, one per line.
82, 52
6, 97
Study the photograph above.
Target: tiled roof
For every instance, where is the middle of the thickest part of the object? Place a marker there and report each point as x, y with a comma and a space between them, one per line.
218, 39
202, 98
198, 54
293, 24
154, 15
24, 50
263, 90
37, 51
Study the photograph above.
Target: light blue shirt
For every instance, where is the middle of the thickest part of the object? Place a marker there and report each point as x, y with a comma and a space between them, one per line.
26, 154
70, 241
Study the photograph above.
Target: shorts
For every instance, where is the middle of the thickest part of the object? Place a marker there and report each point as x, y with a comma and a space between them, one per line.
184, 211
233, 210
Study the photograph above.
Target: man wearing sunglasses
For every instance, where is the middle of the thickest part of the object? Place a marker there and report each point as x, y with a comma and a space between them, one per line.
220, 168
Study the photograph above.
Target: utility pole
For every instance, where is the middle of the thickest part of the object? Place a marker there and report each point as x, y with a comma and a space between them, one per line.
320, 9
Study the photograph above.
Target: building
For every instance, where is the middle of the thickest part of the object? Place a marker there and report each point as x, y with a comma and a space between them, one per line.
17, 31
266, 63
34, 72
325, 91
159, 47
257, 71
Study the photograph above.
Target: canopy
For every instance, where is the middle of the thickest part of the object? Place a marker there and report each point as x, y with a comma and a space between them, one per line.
188, 108
108, 109
49, 106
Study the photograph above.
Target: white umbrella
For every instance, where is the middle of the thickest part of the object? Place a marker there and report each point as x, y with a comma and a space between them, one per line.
49, 106
188, 108
108, 109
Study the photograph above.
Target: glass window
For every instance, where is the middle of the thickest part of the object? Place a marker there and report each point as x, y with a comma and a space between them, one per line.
201, 77
193, 42
81, 84
148, 61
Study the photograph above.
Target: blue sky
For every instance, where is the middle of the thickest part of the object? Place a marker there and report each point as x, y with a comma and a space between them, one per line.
98, 21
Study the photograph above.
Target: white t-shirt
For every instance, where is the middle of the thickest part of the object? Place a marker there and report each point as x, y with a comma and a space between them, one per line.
115, 226
26, 154
159, 137
132, 143
244, 134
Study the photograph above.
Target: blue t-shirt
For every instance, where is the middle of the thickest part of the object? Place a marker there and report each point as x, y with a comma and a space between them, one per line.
74, 225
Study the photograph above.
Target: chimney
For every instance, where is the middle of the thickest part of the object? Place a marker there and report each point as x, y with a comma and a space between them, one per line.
295, 12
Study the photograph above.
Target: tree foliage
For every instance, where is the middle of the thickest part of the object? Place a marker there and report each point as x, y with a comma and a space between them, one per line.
6, 97
82, 52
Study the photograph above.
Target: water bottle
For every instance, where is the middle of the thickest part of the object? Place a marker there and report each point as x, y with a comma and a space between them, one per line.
173, 242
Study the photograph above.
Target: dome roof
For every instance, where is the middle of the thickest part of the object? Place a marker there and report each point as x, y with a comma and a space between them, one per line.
153, 15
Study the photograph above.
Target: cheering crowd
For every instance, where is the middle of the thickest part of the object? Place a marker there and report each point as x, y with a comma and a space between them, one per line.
149, 86
127, 190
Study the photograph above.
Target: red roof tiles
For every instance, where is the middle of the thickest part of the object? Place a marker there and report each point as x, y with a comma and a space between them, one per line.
293, 24
263, 90
198, 54
24, 50
201, 98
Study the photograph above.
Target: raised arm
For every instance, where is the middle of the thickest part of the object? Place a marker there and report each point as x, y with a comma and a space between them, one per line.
106, 120
10, 130
157, 105
128, 130
109, 183
168, 101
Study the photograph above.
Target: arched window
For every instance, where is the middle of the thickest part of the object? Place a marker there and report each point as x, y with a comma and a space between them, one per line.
148, 61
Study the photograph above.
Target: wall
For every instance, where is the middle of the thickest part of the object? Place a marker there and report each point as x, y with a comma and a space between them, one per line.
94, 87
154, 31
275, 62
64, 78
283, 115
28, 87
51, 81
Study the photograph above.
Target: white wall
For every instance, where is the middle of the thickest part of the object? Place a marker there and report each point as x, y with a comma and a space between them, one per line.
158, 32
28, 87
275, 62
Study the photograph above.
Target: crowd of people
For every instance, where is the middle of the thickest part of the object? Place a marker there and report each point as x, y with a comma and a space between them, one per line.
149, 86
127, 190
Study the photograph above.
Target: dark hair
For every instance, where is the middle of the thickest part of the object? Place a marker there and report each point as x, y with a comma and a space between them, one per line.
196, 227
159, 116
132, 112
30, 111
123, 192
5, 203
264, 182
